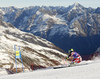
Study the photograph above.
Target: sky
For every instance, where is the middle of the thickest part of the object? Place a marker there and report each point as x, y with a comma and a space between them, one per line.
66, 3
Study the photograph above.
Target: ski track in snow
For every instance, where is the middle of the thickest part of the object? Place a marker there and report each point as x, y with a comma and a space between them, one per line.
89, 71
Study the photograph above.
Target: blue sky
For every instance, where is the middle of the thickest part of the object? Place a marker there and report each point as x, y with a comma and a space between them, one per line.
27, 3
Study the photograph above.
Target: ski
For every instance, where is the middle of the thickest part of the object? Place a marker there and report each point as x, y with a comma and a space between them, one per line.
71, 65
59, 67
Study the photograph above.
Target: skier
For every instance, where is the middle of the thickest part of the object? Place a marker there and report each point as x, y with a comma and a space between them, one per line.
74, 57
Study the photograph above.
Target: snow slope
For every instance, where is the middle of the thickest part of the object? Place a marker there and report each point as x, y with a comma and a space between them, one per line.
89, 71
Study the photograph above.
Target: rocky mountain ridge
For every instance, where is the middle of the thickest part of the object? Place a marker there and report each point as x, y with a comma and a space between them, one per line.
34, 49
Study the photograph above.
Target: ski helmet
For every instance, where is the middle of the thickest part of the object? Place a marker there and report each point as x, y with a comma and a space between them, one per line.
71, 50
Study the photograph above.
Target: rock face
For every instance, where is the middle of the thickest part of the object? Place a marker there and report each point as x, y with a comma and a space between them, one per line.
74, 26
36, 50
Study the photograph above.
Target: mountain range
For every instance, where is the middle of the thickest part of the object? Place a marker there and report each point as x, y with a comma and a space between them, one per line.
74, 26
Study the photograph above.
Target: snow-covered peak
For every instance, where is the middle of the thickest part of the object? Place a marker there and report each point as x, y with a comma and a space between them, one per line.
77, 6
